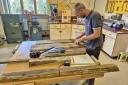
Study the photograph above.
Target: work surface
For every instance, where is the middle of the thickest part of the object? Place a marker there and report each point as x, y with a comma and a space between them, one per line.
18, 69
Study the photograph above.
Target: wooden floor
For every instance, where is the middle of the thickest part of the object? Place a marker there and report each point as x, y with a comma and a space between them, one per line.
119, 78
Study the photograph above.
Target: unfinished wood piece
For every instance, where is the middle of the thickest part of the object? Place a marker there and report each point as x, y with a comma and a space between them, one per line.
101, 68
14, 61
85, 60
90, 71
35, 62
68, 52
95, 60
27, 84
54, 41
7, 84
46, 46
92, 75
29, 75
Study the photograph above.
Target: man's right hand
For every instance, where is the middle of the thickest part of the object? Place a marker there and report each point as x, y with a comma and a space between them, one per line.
76, 42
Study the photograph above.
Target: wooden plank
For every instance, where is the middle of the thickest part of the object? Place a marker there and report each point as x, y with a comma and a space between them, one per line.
54, 41
82, 70
28, 75
27, 84
101, 68
35, 62
46, 46
14, 61
6, 84
82, 60
90, 71
68, 52
95, 60
53, 80
91, 76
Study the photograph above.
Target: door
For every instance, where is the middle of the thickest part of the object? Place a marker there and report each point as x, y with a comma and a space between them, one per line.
77, 30
55, 31
66, 31
55, 34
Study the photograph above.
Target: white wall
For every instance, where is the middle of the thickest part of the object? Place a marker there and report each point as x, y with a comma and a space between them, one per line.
91, 4
85, 2
1, 28
100, 6
1, 24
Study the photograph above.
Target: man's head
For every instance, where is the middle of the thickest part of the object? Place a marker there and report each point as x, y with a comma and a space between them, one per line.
81, 10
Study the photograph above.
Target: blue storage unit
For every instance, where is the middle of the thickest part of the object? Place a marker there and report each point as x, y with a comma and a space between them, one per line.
12, 27
35, 31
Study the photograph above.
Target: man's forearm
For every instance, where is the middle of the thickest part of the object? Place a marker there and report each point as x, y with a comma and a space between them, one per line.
90, 37
80, 35
96, 34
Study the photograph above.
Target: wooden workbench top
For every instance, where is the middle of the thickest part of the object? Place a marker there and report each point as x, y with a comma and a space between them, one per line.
82, 67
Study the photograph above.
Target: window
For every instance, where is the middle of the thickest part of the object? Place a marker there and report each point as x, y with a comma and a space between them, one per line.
22, 6
15, 7
41, 6
28, 5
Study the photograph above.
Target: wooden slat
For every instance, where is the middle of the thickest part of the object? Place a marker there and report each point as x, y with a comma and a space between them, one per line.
35, 62
14, 61
53, 41
27, 84
28, 75
53, 80
68, 52
46, 46
82, 60
102, 68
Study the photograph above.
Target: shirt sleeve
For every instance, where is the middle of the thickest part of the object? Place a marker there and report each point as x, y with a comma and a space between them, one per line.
96, 21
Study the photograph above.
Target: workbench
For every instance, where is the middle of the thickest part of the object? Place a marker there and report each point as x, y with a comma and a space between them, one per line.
17, 71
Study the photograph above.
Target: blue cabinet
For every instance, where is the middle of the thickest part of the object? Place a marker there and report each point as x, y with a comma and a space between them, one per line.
35, 31
12, 28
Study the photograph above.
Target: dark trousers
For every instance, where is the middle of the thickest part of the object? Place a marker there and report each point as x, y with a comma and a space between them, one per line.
95, 53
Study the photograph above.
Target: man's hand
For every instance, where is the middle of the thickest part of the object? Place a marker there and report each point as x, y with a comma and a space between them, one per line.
80, 40
77, 42
82, 34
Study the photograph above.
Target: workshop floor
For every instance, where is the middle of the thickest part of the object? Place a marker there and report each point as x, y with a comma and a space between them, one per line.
117, 78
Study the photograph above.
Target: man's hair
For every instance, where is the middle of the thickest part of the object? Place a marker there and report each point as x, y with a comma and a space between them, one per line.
79, 6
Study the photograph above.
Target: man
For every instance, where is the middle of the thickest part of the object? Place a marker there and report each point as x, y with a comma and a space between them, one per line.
93, 34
